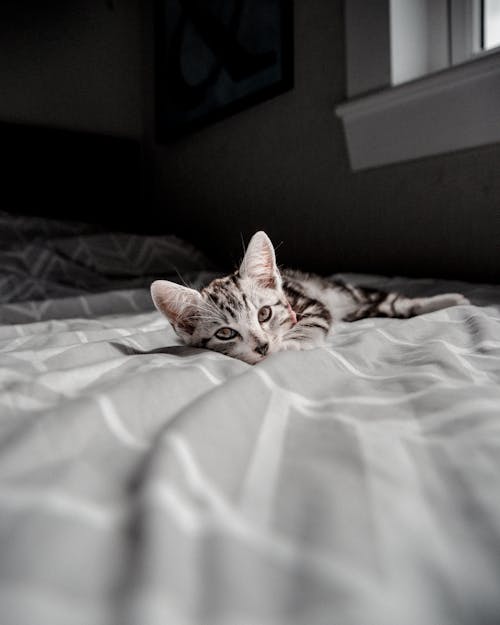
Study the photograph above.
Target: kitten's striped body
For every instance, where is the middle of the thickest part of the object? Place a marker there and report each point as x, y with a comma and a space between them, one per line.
259, 310
319, 303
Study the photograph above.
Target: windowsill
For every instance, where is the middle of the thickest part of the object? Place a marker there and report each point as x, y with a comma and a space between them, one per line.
451, 110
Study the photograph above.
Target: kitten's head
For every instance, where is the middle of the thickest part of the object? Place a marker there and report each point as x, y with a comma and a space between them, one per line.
244, 315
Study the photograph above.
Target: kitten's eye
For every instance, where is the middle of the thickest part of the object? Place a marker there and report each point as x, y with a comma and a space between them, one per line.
224, 334
265, 314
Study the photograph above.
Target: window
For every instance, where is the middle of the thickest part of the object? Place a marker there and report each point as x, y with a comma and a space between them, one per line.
490, 24
423, 78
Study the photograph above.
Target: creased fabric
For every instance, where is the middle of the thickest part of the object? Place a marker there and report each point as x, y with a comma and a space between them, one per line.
42, 259
144, 483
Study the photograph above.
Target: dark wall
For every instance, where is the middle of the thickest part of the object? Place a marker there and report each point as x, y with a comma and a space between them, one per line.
282, 167
71, 109
72, 64
70, 175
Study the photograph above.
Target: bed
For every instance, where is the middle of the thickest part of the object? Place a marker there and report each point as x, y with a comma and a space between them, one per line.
147, 483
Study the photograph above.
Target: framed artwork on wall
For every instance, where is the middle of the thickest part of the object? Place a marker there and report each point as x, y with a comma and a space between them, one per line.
215, 58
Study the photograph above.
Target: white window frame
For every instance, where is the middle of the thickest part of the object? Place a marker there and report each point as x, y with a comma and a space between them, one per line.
449, 110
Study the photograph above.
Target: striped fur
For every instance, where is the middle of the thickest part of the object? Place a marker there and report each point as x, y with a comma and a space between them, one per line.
259, 310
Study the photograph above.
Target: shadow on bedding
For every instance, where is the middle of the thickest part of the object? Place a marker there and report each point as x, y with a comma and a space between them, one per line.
174, 350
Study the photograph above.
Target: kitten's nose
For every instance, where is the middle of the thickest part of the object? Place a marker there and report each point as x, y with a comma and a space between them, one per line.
262, 348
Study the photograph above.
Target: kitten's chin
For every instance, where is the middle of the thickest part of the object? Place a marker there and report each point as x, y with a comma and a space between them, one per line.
253, 360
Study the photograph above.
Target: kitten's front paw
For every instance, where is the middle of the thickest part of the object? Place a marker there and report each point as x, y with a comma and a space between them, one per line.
297, 345
287, 346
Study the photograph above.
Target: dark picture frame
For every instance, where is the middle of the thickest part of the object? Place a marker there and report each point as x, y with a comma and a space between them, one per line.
215, 58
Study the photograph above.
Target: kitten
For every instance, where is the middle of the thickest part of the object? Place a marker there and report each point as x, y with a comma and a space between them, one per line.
259, 310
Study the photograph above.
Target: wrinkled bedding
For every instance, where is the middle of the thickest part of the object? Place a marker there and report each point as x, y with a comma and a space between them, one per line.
44, 259
143, 482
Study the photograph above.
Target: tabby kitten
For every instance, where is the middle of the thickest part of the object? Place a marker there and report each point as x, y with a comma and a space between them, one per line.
259, 310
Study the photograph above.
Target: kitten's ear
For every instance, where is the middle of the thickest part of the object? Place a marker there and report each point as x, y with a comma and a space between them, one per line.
177, 303
259, 262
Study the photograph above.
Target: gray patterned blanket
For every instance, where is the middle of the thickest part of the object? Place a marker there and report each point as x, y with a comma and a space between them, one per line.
43, 259
146, 483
